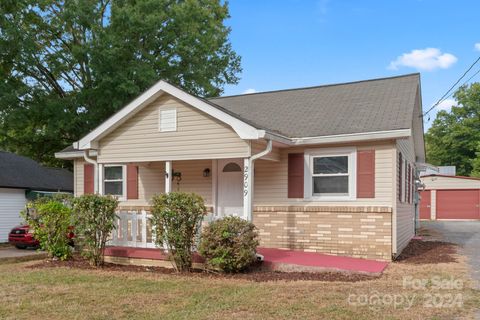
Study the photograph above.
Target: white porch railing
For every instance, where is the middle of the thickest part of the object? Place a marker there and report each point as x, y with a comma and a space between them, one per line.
133, 228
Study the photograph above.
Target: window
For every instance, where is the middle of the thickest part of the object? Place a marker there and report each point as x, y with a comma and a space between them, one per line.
167, 120
113, 180
330, 174
232, 167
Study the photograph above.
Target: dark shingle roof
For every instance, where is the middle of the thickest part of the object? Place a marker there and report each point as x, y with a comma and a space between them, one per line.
21, 172
355, 107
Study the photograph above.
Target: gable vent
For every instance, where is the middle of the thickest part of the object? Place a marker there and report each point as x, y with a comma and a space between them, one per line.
167, 120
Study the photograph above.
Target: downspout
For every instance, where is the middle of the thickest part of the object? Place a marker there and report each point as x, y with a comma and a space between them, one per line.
95, 170
248, 173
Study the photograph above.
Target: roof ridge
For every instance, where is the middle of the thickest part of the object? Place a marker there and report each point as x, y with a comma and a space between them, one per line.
318, 86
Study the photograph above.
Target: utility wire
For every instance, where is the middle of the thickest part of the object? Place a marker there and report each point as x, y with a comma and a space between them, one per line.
453, 86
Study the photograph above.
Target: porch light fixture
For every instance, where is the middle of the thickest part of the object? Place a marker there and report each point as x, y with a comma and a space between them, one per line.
206, 172
177, 176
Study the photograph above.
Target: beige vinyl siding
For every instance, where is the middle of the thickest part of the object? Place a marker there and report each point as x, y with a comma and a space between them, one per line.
193, 179
78, 177
405, 212
151, 180
261, 145
271, 179
198, 136
435, 183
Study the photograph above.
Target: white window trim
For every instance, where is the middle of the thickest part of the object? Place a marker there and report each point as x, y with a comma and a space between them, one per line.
123, 197
309, 154
162, 109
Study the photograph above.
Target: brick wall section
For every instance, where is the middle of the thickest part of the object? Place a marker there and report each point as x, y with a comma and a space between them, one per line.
363, 232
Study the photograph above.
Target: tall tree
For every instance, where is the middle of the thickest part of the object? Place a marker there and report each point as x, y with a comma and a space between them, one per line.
454, 136
66, 66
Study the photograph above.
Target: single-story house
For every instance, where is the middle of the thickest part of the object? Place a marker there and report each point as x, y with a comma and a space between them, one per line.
450, 197
322, 169
21, 179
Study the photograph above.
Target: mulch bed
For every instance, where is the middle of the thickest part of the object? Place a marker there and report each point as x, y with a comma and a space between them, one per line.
428, 252
255, 274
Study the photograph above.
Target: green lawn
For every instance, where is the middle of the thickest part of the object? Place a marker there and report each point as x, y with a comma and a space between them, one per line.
61, 293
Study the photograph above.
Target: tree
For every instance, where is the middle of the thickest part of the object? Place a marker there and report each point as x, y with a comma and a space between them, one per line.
454, 136
66, 66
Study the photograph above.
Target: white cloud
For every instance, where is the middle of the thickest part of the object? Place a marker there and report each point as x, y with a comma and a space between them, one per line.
446, 104
477, 46
424, 59
248, 91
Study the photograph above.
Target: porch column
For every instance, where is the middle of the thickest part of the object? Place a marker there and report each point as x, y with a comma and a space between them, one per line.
100, 178
247, 189
168, 176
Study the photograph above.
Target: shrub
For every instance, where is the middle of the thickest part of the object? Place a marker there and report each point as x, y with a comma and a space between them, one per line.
176, 218
94, 218
229, 244
50, 219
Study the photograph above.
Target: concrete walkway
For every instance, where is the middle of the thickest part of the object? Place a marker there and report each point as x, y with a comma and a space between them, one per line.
11, 254
293, 260
274, 259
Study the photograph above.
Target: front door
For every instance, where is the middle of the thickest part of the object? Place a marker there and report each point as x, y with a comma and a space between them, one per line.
230, 187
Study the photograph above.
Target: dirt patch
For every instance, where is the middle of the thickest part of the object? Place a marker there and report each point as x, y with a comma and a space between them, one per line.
255, 274
428, 252
430, 233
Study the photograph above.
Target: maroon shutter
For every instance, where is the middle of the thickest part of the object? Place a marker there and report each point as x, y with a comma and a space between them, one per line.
412, 182
400, 164
295, 175
408, 183
88, 178
132, 181
366, 174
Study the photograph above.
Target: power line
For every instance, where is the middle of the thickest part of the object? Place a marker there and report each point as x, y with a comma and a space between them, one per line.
453, 86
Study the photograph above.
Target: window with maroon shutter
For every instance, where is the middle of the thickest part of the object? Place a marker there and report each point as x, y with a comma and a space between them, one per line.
295, 175
88, 178
400, 177
366, 174
132, 181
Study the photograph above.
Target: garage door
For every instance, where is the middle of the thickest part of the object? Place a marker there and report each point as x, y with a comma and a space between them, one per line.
12, 201
425, 204
458, 204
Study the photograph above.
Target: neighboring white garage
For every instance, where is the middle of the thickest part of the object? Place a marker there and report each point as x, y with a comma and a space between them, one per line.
21, 177
12, 201
450, 198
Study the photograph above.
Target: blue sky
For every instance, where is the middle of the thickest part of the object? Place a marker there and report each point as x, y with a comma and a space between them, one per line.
296, 43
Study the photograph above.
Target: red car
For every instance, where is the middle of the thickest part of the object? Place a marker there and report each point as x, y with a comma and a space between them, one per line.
21, 237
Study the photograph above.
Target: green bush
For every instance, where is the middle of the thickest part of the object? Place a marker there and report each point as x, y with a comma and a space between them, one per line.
176, 218
50, 219
229, 244
94, 220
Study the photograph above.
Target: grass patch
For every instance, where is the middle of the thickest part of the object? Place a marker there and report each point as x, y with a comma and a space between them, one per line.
59, 293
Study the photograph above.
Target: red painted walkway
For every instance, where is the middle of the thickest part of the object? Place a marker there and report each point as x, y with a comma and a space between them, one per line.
276, 259
321, 261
